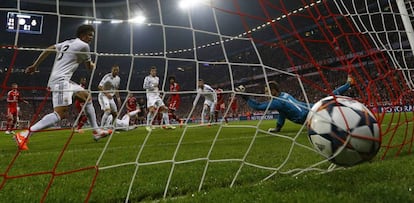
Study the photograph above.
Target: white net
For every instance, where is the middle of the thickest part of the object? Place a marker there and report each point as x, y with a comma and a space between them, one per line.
387, 24
309, 47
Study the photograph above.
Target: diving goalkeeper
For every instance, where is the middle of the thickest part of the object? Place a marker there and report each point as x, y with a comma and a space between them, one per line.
287, 106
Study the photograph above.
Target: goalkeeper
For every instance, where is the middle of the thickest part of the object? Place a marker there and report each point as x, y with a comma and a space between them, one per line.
287, 106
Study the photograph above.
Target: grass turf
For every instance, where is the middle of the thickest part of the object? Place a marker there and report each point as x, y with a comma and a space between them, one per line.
179, 162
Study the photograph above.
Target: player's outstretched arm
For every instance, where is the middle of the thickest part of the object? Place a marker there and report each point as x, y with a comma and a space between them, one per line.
34, 67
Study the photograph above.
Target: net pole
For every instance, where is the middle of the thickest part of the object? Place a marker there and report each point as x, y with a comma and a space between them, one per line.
408, 28
406, 22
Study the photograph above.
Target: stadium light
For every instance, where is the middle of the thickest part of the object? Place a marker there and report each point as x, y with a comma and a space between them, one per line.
116, 21
187, 4
138, 19
88, 22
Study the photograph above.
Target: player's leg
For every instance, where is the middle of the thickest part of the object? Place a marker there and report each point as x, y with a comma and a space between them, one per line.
114, 109
15, 118
81, 122
165, 117
124, 122
223, 111
163, 110
61, 99
342, 89
216, 115
204, 112
104, 103
151, 112
9, 121
85, 97
109, 121
82, 119
212, 107
150, 116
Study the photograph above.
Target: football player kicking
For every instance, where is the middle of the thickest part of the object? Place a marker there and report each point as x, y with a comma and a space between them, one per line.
70, 54
287, 106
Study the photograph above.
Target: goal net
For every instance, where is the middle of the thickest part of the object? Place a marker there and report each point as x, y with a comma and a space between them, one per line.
21, 124
308, 47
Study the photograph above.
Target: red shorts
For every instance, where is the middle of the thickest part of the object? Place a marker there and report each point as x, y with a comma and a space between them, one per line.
12, 111
233, 108
220, 106
79, 105
174, 104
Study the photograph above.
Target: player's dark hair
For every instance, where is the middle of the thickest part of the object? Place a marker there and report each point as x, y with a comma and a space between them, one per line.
171, 77
13, 84
200, 80
84, 29
273, 85
153, 67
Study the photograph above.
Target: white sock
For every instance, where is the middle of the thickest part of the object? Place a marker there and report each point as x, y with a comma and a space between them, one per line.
105, 118
149, 118
47, 121
211, 118
203, 114
90, 113
166, 119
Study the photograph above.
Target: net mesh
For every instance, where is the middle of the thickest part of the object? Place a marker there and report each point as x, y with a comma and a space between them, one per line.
308, 47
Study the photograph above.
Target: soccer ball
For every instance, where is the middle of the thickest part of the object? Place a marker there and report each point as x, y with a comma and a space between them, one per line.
240, 88
343, 130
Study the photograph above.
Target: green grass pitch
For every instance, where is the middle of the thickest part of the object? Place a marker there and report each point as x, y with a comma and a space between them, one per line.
389, 180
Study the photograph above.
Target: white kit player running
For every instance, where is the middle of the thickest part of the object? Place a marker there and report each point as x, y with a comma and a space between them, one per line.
154, 100
123, 123
108, 89
70, 54
210, 100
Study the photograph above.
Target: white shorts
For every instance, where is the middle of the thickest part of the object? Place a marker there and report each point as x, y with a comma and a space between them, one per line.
107, 103
63, 91
154, 101
211, 104
123, 123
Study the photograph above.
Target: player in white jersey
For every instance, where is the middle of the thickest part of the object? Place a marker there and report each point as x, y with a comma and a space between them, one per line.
123, 123
109, 86
70, 54
154, 100
210, 100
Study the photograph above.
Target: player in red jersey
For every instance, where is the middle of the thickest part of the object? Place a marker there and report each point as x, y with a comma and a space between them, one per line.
174, 99
220, 106
13, 98
79, 105
131, 105
233, 105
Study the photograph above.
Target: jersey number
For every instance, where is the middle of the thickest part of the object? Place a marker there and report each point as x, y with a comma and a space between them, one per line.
65, 48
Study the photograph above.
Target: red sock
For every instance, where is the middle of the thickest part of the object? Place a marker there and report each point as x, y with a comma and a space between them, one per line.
82, 121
